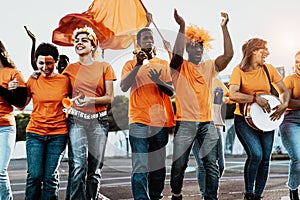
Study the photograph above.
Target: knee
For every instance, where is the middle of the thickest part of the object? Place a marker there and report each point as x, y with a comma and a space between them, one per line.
179, 167
256, 157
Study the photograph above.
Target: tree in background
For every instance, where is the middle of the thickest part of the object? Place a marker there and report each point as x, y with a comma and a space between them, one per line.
22, 120
118, 113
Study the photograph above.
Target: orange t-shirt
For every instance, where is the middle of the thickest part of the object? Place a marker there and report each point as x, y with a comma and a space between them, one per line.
91, 81
147, 104
193, 86
47, 117
255, 81
6, 110
292, 82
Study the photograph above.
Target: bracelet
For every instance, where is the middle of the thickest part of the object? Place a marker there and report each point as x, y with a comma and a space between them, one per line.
254, 98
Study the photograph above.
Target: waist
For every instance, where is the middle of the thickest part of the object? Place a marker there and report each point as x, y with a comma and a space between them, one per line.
85, 115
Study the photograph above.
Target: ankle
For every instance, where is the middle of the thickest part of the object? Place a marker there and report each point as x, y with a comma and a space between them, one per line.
257, 197
176, 196
294, 194
248, 196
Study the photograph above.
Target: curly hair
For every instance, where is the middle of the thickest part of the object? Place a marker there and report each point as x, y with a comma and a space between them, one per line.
194, 34
90, 33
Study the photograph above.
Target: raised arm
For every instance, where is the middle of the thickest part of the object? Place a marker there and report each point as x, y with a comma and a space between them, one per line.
223, 60
178, 48
32, 36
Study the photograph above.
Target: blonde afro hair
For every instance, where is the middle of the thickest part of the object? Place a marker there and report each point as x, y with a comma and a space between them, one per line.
194, 35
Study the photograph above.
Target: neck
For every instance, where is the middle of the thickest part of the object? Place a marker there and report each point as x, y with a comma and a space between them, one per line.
86, 60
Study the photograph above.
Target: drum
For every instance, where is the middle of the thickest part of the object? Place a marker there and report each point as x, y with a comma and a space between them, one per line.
258, 119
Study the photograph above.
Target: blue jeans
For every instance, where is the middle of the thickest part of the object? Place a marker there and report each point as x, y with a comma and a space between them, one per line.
290, 136
207, 136
148, 160
87, 142
7, 138
258, 146
201, 174
44, 154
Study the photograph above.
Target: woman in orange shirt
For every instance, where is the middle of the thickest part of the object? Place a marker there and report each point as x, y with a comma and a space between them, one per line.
88, 116
290, 127
46, 132
248, 80
10, 80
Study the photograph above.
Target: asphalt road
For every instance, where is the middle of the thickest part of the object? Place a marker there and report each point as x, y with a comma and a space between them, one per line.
115, 184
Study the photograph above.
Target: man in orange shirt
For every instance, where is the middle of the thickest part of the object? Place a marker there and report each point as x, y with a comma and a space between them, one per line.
192, 81
150, 116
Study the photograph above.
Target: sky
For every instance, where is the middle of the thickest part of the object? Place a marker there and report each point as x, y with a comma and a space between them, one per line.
272, 20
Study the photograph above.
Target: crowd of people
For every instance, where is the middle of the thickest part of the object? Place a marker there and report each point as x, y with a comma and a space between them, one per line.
82, 126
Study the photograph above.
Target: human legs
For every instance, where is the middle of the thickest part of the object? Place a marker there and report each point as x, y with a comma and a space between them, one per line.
184, 137
77, 161
86, 151
139, 147
7, 138
208, 138
35, 148
200, 171
97, 138
258, 146
290, 139
157, 141
54, 152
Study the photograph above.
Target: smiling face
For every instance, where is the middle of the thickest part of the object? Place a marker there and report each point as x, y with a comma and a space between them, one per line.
297, 63
83, 45
45, 65
260, 55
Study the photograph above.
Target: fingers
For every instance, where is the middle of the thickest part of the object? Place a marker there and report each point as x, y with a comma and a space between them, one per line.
178, 18
13, 84
225, 18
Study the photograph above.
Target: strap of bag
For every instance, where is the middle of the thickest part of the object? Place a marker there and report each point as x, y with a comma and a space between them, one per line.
268, 75
272, 89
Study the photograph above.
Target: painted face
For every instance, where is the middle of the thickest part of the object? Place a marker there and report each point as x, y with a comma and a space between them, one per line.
45, 65
260, 55
146, 41
297, 64
83, 44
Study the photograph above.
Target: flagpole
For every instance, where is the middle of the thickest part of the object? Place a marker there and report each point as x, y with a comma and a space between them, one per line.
153, 21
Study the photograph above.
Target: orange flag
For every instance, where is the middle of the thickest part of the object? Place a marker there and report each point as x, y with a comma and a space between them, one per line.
115, 23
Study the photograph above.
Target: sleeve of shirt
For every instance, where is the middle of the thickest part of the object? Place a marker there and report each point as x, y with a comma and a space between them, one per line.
235, 78
127, 68
17, 74
288, 81
275, 76
109, 73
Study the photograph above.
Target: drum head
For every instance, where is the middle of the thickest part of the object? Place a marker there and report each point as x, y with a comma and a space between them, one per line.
262, 120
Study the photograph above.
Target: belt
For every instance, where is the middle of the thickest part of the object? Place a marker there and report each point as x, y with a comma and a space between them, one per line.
84, 115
